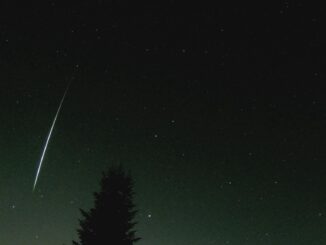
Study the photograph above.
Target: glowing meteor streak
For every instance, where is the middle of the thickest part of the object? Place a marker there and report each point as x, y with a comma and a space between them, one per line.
49, 136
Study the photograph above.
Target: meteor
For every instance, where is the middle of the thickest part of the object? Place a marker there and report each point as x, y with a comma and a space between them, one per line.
49, 136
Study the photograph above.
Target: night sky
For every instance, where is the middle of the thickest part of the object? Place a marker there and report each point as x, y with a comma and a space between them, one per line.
218, 111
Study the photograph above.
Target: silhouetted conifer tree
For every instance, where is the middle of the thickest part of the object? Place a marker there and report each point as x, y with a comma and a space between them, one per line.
110, 221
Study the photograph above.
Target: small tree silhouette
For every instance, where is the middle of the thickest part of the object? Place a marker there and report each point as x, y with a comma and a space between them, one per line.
111, 219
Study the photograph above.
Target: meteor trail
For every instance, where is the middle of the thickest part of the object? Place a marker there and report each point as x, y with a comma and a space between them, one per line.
49, 136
